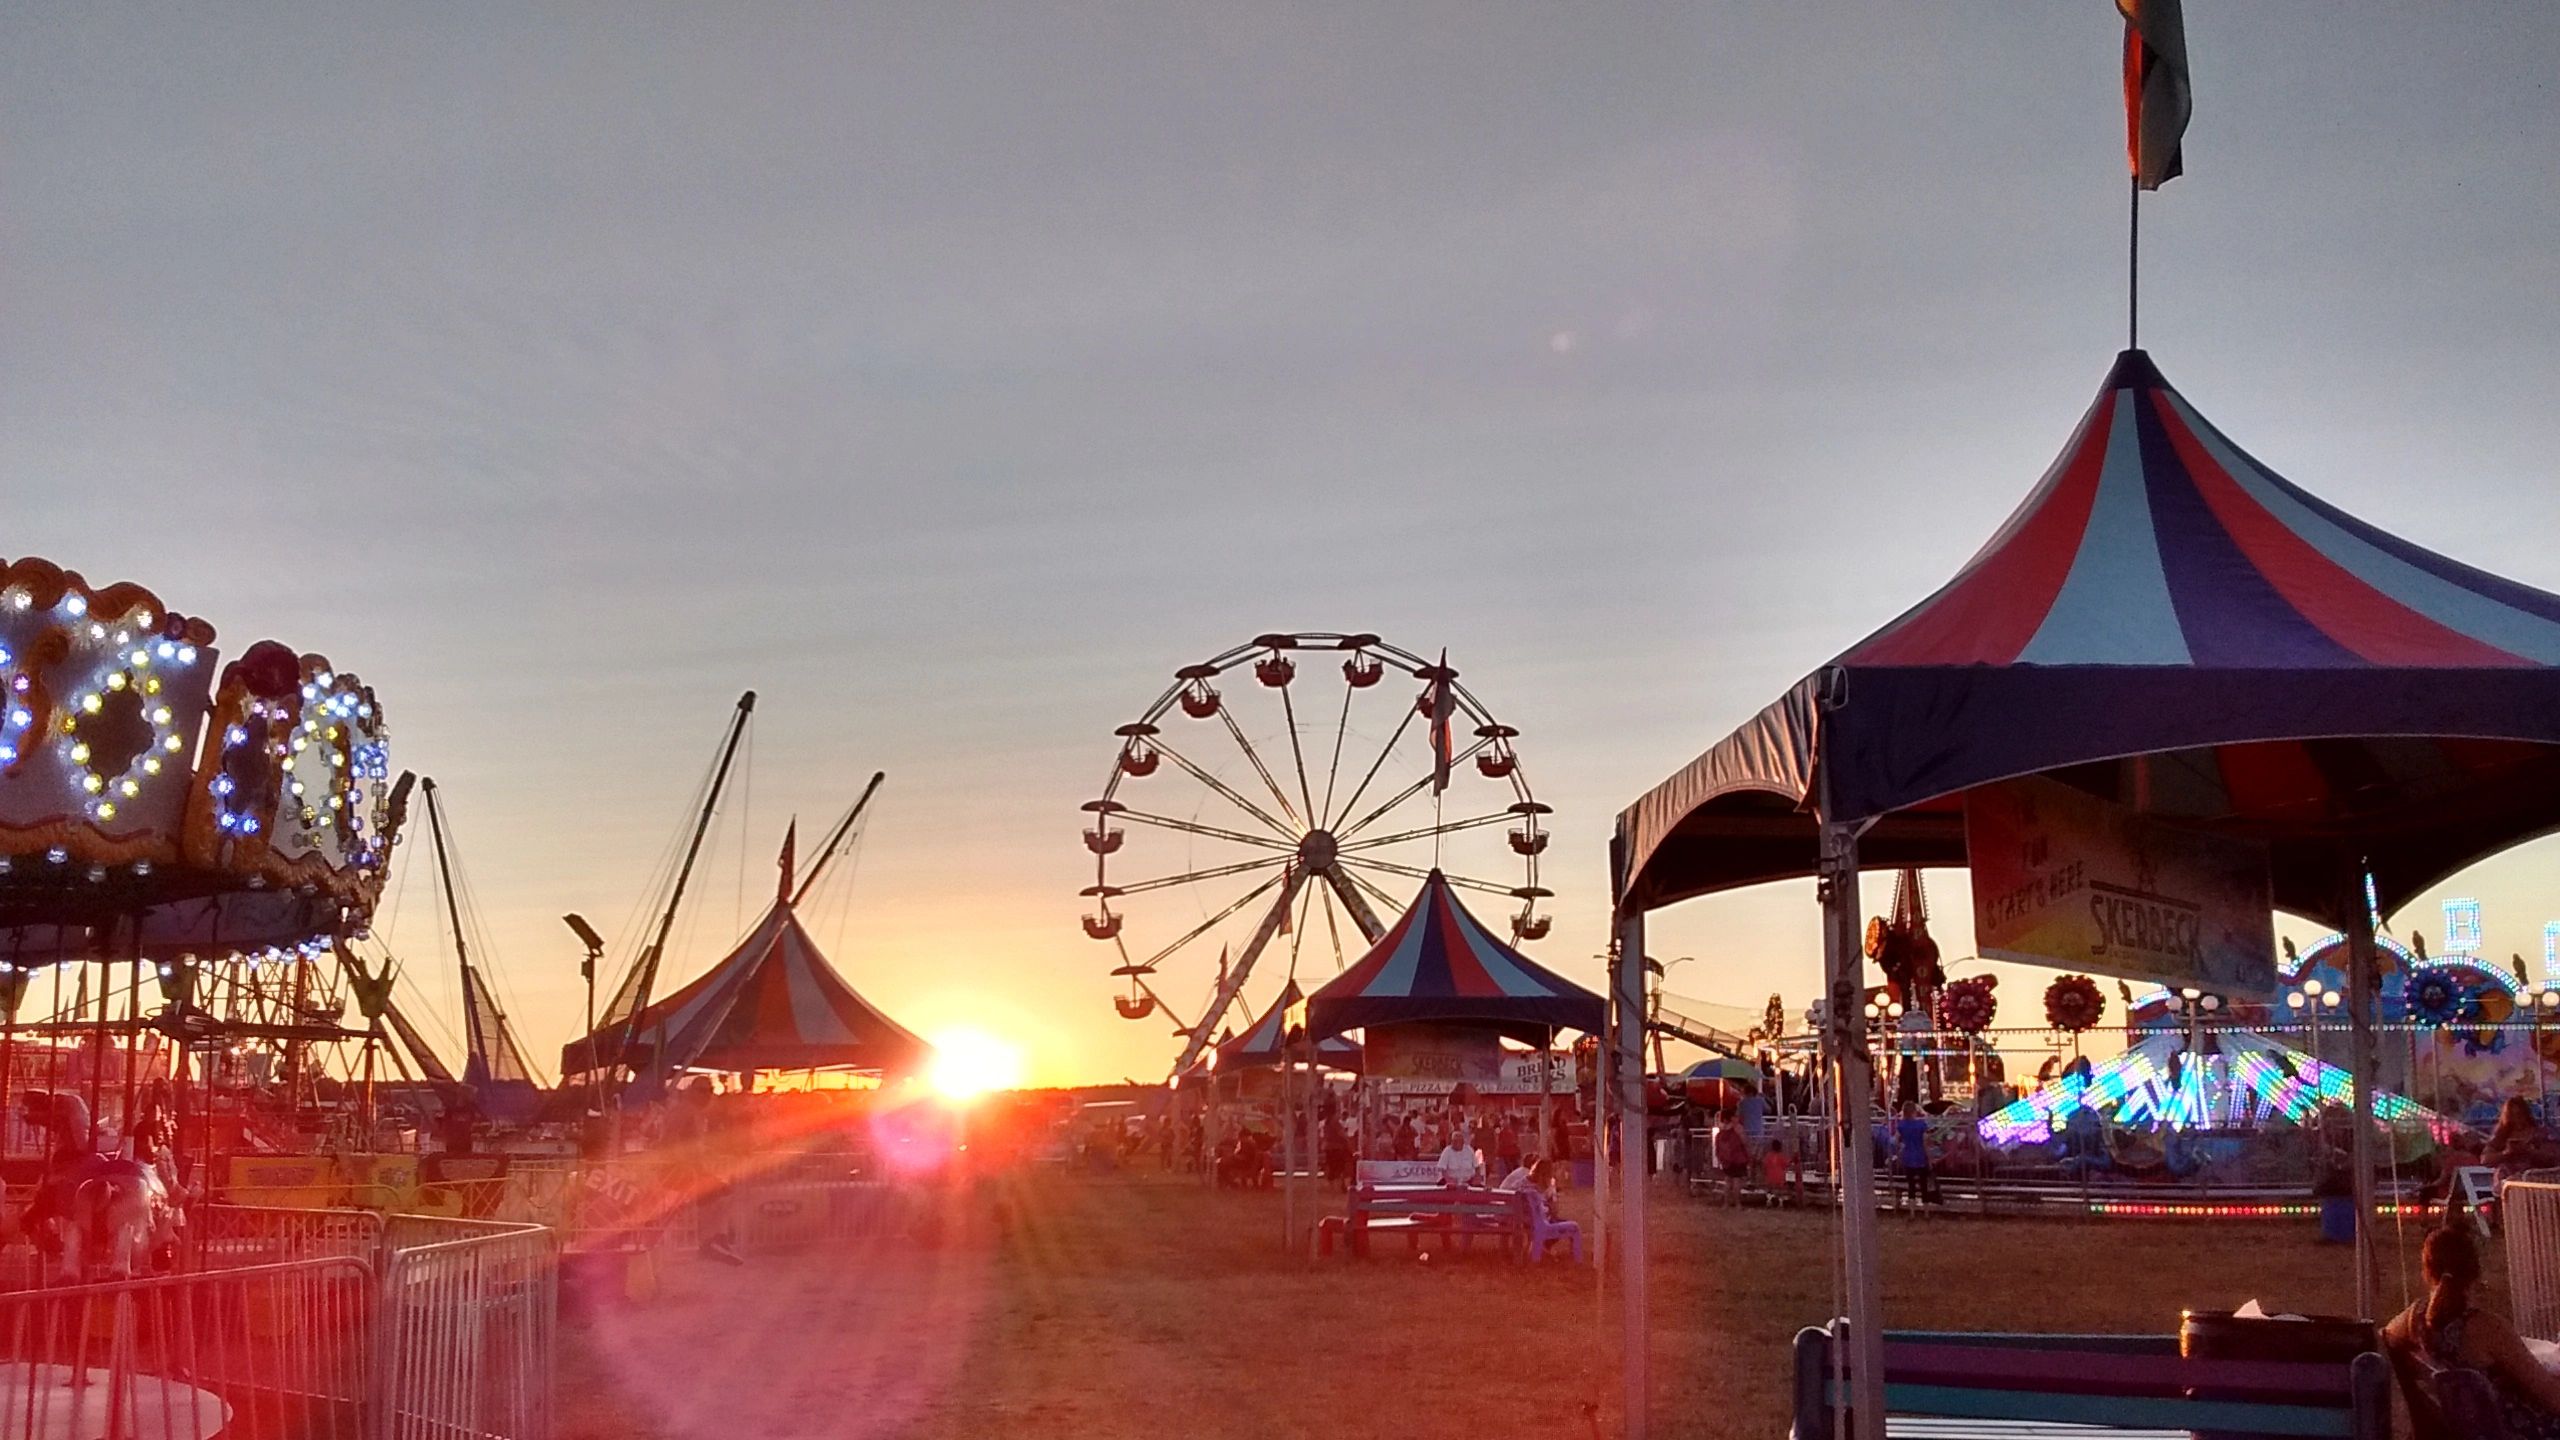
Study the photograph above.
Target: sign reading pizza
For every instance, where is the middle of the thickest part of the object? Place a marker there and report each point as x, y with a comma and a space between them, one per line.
2063, 878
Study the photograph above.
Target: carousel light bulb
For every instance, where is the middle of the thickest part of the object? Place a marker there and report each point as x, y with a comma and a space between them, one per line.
151, 685
57, 854
144, 618
106, 811
75, 604
21, 717
20, 600
131, 788
123, 638
160, 716
4, 655
80, 753
173, 744
93, 784
97, 632
91, 704
151, 765
118, 681
186, 654
8, 754
168, 650
141, 658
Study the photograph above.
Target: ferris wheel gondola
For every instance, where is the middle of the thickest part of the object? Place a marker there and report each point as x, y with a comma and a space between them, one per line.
1262, 822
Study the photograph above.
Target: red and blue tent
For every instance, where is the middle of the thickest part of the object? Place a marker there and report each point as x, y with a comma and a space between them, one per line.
1259, 1043
1440, 963
2167, 622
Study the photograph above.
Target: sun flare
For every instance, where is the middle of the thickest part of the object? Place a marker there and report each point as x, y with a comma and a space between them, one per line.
968, 1063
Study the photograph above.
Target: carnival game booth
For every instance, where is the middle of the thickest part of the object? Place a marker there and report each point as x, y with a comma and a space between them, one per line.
1433, 1001
2185, 652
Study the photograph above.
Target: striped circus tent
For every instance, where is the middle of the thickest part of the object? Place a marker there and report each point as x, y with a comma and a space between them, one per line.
774, 1003
1259, 1043
2169, 623
1439, 963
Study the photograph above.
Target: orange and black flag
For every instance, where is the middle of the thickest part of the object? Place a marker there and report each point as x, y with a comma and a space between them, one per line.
1444, 702
2156, 98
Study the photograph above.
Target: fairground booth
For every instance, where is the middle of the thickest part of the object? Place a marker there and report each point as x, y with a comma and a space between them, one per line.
2172, 694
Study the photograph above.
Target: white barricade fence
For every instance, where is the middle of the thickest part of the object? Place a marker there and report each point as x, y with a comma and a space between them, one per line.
227, 1237
466, 1333
788, 1214
260, 1351
2529, 1219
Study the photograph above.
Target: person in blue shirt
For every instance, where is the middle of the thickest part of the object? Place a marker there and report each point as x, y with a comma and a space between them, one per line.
1911, 1151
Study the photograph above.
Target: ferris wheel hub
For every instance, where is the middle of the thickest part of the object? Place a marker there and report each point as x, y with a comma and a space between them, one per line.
1316, 851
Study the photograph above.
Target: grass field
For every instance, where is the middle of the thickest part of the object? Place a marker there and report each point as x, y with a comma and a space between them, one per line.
1149, 1307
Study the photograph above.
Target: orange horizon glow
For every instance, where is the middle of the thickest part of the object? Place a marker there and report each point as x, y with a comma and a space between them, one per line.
969, 1062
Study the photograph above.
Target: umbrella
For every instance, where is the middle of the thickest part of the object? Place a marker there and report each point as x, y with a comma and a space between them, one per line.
1722, 1067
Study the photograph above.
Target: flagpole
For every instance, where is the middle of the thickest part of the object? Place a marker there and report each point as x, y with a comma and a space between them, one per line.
2133, 270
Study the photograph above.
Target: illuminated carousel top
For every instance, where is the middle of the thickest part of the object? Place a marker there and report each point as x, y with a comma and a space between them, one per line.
151, 805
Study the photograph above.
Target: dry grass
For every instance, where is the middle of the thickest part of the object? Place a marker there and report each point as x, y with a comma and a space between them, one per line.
1152, 1308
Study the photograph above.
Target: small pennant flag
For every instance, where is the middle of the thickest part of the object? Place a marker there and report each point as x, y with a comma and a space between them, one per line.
1443, 702
2156, 99
790, 858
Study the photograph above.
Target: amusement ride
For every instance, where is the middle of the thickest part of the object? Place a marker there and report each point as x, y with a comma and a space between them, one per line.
1293, 786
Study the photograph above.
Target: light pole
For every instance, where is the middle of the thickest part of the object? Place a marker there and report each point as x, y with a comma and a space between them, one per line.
2308, 1001
1885, 1014
2545, 1000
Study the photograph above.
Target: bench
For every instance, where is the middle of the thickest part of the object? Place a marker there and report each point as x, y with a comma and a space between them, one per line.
1945, 1383
1458, 1211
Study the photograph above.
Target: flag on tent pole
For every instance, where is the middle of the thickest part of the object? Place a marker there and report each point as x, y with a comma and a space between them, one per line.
1443, 702
2157, 101
790, 860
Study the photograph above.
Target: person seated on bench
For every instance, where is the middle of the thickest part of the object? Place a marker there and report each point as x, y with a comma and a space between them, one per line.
1544, 1228
1459, 1163
2456, 1334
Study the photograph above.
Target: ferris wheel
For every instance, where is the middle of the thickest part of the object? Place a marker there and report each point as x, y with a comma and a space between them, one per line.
1261, 801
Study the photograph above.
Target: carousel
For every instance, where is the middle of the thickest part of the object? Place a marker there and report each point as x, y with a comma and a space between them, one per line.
189, 850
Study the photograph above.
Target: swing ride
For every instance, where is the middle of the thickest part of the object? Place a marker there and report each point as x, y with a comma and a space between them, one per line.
1290, 810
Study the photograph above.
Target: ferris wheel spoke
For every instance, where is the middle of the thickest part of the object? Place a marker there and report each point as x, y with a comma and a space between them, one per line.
1194, 827
1355, 884
1298, 753
1212, 923
1463, 882
1333, 928
1193, 769
1298, 929
1426, 832
1374, 767
1166, 882
1341, 727
1407, 793
1268, 780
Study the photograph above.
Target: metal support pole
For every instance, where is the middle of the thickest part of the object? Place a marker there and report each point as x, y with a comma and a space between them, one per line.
2361, 994
1627, 987
1844, 962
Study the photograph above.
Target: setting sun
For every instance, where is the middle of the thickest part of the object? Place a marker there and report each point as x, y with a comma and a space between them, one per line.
968, 1063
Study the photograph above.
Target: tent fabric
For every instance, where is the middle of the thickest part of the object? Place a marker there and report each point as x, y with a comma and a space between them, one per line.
1259, 1043
774, 1003
1439, 963
2168, 623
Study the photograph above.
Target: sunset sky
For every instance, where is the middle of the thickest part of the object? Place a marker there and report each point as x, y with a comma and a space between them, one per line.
950, 373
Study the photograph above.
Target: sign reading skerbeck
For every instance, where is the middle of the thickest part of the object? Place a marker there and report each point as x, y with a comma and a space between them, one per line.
2061, 877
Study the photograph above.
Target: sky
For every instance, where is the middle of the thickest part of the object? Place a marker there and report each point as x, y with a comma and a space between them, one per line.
949, 373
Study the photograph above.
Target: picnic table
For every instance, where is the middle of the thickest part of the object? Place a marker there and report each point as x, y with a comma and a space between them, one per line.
1460, 1212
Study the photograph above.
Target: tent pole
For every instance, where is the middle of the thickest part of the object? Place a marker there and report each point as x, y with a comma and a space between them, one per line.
1844, 970
1627, 1010
1288, 1145
2360, 997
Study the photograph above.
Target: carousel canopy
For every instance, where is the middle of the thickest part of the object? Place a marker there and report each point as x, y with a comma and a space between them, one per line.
1259, 1044
1440, 963
775, 1003
2169, 624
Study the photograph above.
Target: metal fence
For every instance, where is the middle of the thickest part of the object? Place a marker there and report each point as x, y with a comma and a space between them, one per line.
466, 1331
795, 1214
2529, 1219
262, 1351
311, 1324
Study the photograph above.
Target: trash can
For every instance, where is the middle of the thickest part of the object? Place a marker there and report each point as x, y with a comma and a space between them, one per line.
2337, 1219
2222, 1335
